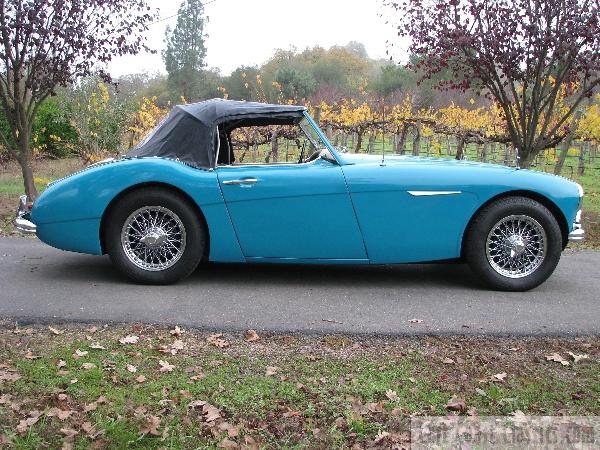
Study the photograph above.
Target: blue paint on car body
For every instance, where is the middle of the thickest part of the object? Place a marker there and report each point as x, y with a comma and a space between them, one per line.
352, 209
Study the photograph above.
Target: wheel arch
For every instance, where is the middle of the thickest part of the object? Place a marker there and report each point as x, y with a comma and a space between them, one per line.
542, 199
166, 186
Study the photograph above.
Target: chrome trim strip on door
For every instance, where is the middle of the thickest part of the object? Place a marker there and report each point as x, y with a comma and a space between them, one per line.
430, 193
242, 181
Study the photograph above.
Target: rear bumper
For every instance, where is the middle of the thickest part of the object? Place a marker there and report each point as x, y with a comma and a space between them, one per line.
22, 219
578, 233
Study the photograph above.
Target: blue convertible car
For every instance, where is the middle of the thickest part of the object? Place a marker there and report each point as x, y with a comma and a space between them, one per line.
194, 190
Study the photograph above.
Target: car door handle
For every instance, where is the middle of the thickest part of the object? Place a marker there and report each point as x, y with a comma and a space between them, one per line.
240, 182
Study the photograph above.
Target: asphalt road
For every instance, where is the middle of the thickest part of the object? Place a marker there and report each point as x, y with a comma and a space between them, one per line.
42, 284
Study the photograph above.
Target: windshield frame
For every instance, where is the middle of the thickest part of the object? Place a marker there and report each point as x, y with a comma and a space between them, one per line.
321, 137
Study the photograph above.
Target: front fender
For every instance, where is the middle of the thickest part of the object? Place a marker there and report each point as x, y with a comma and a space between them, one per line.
400, 227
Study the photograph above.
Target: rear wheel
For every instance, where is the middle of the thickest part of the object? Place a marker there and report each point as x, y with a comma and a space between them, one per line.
154, 236
513, 244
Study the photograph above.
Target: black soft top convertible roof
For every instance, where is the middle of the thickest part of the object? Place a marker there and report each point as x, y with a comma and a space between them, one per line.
189, 131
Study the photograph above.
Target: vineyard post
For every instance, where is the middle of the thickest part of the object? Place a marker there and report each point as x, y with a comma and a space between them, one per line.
359, 138
401, 145
581, 167
317, 117
417, 139
371, 143
275, 146
484, 152
506, 154
460, 147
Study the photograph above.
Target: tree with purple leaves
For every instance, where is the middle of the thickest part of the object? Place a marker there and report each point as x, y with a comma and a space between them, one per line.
538, 59
51, 43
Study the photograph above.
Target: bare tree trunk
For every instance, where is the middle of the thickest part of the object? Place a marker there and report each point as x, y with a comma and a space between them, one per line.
28, 180
416, 150
24, 159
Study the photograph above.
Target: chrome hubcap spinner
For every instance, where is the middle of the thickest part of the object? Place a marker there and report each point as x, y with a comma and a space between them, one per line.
516, 246
153, 238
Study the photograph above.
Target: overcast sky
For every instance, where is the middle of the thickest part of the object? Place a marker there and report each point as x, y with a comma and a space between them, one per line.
246, 32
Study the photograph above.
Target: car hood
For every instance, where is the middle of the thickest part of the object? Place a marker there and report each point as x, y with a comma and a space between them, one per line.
354, 158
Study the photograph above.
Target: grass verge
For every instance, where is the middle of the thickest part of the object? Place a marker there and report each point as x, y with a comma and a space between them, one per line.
151, 387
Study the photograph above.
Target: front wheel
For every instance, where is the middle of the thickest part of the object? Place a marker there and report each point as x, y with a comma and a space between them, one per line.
513, 244
154, 236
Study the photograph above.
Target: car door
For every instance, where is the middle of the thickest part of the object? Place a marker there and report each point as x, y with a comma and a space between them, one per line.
292, 211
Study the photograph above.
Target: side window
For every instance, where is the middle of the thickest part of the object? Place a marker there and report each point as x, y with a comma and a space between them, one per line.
266, 144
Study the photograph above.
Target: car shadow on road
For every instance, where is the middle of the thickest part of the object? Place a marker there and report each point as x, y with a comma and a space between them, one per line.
409, 275
88, 269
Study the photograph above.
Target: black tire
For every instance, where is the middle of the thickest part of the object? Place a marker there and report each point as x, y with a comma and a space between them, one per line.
492, 261
185, 245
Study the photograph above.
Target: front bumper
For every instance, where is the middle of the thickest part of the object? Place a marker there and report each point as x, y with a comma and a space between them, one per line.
22, 220
578, 233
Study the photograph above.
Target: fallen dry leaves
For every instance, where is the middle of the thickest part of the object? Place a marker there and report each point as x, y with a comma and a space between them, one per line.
271, 370
251, 336
165, 366
217, 340
140, 378
499, 377
79, 354
392, 395
210, 413
556, 357
457, 405
150, 426
577, 358
177, 332
129, 339
7, 374
32, 419
61, 414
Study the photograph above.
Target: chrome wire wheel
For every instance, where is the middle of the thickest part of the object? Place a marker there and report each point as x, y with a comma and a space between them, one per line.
153, 238
516, 246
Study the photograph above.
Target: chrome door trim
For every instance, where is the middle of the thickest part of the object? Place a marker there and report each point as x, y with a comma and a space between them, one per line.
240, 182
431, 193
